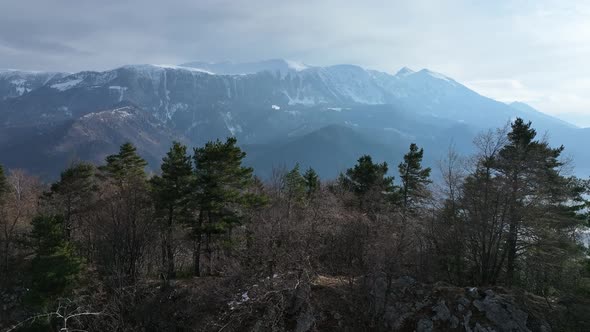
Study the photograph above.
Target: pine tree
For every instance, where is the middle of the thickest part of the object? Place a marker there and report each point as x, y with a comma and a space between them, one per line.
73, 193
369, 182
220, 183
129, 208
54, 268
294, 188
529, 170
414, 179
172, 195
312, 182
125, 165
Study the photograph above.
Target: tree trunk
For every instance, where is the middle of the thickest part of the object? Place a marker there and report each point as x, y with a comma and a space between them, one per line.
197, 248
170, 271
511, 258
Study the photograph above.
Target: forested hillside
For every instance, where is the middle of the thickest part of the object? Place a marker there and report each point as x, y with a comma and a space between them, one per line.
205, 245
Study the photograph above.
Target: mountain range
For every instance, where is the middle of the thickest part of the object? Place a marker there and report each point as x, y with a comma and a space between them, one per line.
281, 112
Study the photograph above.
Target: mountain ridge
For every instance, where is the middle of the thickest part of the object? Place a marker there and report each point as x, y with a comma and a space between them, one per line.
280, 101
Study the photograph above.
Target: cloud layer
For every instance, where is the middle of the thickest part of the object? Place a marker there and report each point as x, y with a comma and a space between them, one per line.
535, 52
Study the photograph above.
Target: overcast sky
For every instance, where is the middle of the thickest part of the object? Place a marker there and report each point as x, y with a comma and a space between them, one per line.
531, 51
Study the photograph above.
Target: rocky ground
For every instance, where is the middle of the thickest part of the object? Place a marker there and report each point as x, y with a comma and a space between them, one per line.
322, 303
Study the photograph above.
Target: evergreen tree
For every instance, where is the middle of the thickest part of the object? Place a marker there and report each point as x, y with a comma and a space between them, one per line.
294, 187
312, 182
126, 197
414, 179
530, 172
126, 165
72, 194
369, 182
220, 183
55, 268
172, 194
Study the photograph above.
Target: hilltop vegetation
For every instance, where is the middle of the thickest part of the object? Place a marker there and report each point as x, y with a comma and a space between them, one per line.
205, 245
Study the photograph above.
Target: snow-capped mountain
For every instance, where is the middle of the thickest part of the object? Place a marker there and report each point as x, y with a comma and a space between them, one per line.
236, 68
15, 83
264, 104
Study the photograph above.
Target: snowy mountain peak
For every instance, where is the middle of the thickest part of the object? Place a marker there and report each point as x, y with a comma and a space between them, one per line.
243, 68
15, 83
436, 75
159, 67
405, 71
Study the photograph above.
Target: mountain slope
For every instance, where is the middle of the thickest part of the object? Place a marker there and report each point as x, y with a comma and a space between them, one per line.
15, 83
268, 104
329, 150
49, 149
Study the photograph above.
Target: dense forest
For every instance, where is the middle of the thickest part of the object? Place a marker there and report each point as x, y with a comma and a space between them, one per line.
204, 245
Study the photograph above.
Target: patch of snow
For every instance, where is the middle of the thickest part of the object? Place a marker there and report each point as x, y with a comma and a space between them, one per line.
18, 81
405, 71
275, 107
20, 86
234, 304
295, 65
175, 108
123, 113
353, 83
228, 120
67, 84
175, 67
336, 109
439, 76
299, 100
399, 132
121, 90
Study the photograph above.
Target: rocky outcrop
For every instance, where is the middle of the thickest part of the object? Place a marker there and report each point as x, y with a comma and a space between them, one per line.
442, 307
293, 303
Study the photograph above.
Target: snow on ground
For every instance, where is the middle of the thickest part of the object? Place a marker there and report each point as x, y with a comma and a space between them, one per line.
439, 76
67, 84
297, 66
184, 68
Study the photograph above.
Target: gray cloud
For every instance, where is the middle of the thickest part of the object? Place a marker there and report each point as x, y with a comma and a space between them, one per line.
542, 45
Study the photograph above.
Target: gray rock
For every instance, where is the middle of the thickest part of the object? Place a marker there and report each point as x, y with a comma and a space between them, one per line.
479, 328
305, 321
406, 281
464, 301
473, 292
442, 312
503, 313
479, 305
424, 325
466, 320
